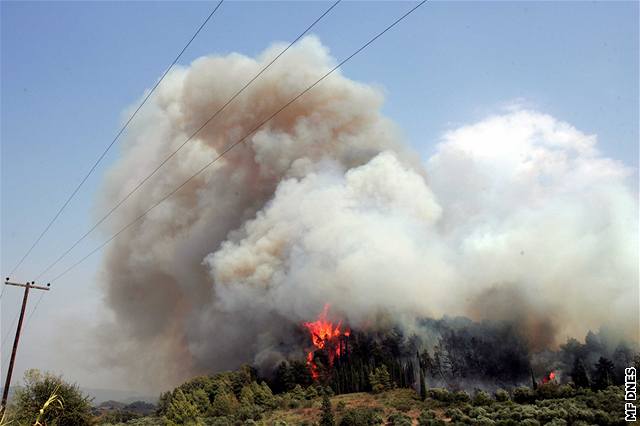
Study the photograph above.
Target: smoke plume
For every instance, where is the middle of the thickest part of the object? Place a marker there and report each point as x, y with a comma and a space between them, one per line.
518, 217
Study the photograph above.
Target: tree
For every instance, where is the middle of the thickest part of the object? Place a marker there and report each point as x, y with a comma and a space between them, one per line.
69, 407
380, 379
579, 374
326, 418
180, 410
604, 373
284, 380
423, 389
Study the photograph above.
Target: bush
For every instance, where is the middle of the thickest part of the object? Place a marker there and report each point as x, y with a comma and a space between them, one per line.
477, 412
70, 406
362, 416
428, 418
502, 395
461, 396
482, 398
548, 391
311, 392
440, 394
399, 419
401, 404
523, 395
455, 414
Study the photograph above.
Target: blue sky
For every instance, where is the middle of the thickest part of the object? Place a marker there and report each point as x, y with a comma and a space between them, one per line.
70, 69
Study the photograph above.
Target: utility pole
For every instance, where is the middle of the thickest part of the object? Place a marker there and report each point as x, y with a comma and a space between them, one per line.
27, 286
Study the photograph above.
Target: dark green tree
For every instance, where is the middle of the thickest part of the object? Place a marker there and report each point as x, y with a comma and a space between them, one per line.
380, 379
423, 387
579, 374
604, 373
284, 380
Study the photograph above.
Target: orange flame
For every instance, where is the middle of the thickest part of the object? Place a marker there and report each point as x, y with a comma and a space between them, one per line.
549, 378
324, 335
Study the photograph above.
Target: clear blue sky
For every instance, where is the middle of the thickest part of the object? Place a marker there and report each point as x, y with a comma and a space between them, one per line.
70, 69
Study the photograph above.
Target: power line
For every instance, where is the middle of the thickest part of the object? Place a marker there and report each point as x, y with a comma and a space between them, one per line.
230, 147
143, 181
117, 136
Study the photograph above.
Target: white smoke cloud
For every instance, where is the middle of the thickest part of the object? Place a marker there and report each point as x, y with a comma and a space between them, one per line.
326, 205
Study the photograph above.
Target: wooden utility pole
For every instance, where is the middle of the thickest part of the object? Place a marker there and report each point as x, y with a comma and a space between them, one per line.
27, 286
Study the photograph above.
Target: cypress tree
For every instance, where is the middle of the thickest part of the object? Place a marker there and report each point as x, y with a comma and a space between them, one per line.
326, 418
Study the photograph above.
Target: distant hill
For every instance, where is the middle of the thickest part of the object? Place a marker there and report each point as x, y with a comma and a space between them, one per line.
104, 395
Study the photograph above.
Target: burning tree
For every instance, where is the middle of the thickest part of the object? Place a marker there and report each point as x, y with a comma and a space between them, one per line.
329, 342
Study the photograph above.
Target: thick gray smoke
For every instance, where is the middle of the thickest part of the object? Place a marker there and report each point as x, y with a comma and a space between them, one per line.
517, 217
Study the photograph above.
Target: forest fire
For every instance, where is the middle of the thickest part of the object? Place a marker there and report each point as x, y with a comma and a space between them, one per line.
550, 378
324, 336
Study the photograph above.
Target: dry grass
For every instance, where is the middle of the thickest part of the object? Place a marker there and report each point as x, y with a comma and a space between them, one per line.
403, 400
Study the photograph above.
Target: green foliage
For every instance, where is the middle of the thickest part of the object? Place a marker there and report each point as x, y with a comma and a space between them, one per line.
523, 395
224, 404
579, 374
461, 396
604, 374
361, 416
440, 394
428, 418
326, 416
423, 385
380, 379
481, 398
399, 419
311, 392
68, 407
180, 410
502, 395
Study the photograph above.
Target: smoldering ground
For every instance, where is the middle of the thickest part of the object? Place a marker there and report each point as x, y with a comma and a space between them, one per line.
326, 204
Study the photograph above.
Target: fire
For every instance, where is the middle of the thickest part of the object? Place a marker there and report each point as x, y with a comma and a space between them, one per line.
325, 336
551, 377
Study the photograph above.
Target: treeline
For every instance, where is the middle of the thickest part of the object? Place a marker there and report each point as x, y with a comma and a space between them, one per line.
362, 355
491, 355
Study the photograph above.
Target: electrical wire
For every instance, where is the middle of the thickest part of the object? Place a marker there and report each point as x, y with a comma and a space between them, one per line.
106, 150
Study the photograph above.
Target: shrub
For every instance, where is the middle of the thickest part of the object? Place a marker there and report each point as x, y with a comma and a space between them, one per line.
69, 406
428, 418
403, 405
362, 416
523, 395
218, 421
440, 394
548, 391
311, 392
455, 414
482, 398
477, 412
399, 419
502, 395
484, 421
461, 396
